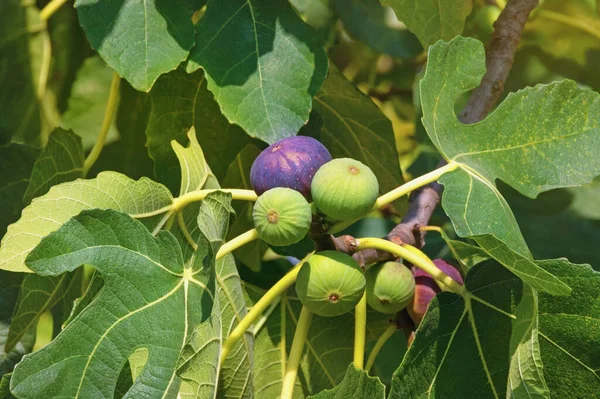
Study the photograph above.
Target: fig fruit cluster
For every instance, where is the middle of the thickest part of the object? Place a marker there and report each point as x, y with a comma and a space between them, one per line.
342, 189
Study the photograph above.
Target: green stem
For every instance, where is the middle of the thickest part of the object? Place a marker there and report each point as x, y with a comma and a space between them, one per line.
108, 117
198, 195
237, 242
383, 338
51, 8
419, 259
296, 350
399, 192
570, 21
360, 332
259, 307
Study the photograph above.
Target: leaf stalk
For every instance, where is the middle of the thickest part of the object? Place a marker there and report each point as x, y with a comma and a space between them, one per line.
360, 331
296, 350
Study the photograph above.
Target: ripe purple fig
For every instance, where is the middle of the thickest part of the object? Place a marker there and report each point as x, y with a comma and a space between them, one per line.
290, 163
426, 288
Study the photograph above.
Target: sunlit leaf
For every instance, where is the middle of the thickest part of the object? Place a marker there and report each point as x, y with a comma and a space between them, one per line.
48, 212
139, 39
537, 139
262, 63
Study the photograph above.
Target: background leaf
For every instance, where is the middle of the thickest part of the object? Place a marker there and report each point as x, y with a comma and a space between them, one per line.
354, 127
180, 101
16, 164
60, 161
432, 20
367, 20
139, 39
22, 46
265, 82
87, 103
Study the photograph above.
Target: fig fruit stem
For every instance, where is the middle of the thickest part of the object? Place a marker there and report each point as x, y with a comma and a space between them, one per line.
293, 361
259, 308
236, 193
237, 242
399, 192
51, 8
383, 338
360, 332
417, 258
109, 113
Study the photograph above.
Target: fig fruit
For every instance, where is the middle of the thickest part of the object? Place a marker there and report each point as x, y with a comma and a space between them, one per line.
330, 283
344, 188
390, 286
291, 163
426, 288
281, 216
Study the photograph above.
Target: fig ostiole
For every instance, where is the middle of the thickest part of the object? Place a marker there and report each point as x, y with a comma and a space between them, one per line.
291, 163
390, 287
426, 288
330, 283
281, 216
344, 189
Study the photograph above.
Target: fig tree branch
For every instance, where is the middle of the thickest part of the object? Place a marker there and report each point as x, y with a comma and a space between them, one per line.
499, 60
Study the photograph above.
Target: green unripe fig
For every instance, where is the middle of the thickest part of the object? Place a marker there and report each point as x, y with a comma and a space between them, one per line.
390, 287
330, 283
344, 189
282, 216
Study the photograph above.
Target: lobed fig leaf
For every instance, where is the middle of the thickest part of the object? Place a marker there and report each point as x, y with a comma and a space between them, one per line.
281, 216
344, 189
291, 163
390, 287
330, 283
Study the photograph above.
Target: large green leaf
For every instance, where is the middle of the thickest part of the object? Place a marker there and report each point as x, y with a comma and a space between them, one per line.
262, 62
432, 20
139, 39
23, 43
570, 332
16, 164
537, 139
356, 384
353, 126
87, 103
60, 161
48, 212
368, 21
470, 346
179, 102
150, 300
